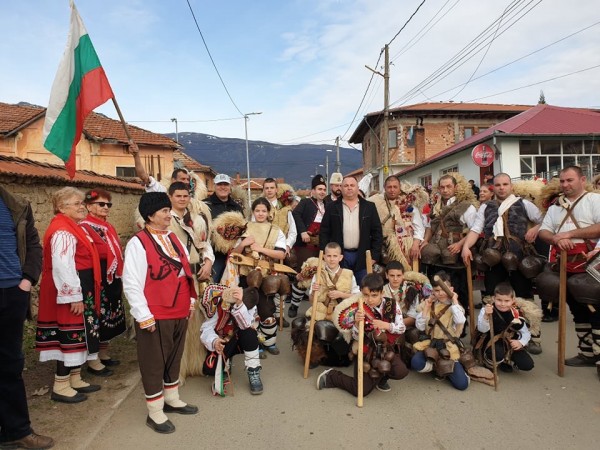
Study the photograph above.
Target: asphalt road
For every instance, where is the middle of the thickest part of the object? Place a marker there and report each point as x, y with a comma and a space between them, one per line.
530, 410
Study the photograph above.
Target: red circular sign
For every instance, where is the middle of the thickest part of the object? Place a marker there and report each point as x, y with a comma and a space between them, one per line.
483, 155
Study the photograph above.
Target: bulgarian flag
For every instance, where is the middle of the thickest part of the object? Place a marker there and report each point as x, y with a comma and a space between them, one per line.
79, 87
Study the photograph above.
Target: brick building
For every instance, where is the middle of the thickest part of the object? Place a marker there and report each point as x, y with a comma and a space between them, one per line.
417, 132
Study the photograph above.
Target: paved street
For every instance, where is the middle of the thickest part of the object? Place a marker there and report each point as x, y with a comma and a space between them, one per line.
530, 410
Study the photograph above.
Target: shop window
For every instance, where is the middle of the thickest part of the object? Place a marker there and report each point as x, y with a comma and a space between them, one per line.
528, 147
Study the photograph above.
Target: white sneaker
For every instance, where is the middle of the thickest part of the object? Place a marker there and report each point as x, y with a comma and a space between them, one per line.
322, 379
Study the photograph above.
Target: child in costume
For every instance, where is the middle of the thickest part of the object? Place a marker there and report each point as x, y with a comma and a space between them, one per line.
407, 289
511, 334
442, 319
334, 285
229, 330
383, 325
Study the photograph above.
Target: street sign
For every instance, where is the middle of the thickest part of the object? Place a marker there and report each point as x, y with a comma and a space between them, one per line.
483, 155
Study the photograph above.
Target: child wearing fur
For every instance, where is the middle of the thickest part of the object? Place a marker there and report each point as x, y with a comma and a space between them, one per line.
442, 318
229, 330
511, 334
383, 324
335, 285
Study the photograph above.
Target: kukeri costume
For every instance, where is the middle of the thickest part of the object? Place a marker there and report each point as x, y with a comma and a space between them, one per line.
328, 347
441, 347
193, 230
233, 323
381, 353
508, 325
583, 290
401, 221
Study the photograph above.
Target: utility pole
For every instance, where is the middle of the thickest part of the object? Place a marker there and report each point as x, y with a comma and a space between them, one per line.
386, 107
337, 154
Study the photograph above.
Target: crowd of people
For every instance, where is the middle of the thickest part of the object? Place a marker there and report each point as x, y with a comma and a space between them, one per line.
206, 279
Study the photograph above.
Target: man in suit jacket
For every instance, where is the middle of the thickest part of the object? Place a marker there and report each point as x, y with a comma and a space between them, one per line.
353, 223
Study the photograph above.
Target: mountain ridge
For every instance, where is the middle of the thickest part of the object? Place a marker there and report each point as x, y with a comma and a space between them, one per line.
296, 163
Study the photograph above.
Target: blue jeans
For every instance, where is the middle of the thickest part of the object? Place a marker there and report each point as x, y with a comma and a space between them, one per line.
458, 378
14, 414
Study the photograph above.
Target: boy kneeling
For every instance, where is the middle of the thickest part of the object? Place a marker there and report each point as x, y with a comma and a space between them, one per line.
383, 324
229, 330
511, 334
442, 319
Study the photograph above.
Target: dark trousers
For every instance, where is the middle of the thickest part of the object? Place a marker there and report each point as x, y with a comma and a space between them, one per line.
521, 358
349, 262
219, 266
335, 378
159, 353
497, 274
14, 415
242, 341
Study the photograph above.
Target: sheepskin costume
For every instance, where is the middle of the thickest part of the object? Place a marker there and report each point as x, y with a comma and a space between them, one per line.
226, 229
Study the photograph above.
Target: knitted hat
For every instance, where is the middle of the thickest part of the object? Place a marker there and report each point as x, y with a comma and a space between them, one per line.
336, 178
152, 202
318, 180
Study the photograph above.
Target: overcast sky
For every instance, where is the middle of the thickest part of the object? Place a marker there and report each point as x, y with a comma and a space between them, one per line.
302, 62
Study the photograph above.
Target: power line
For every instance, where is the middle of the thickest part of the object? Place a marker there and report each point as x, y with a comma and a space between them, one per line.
536, 83
212, 60
469, 51
406, 23
186, 121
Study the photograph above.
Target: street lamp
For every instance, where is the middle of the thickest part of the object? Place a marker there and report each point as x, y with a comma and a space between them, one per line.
248, 155
327, 168
317, 168
174, 119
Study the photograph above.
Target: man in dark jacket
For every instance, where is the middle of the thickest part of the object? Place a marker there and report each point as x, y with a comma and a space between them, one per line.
220, 202
20, 268
353, 223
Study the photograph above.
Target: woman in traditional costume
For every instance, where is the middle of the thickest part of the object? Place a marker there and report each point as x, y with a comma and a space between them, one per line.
159, 285
108, 245
68, 329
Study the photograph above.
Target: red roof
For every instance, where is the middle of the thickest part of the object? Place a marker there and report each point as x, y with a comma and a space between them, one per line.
26, 169
96, 127
13, 117
541, 120
190, 163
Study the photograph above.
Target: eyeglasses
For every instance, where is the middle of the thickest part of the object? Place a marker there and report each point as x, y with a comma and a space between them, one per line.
102, 204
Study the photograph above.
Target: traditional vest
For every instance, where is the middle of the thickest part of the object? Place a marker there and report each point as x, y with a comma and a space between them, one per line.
388, 311
448, 220
279, 216
162, 277
447, 320
516, 223
405, 296
326, 284
265, 234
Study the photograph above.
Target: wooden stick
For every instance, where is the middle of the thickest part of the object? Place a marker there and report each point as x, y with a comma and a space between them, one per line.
415, 265
114, 100
361, 341
281, 305
494, 365
311, 330
441, 283
361, 344
471, 307
562, 313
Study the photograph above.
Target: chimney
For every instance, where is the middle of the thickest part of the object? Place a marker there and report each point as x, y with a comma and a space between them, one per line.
419, 145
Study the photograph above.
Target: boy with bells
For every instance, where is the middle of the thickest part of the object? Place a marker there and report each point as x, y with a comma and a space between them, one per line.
229, 330
383, 324
511, 334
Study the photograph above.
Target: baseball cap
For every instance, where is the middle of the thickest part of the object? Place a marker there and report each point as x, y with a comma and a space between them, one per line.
222, 178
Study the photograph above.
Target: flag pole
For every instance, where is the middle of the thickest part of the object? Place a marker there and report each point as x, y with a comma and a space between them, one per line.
114, 100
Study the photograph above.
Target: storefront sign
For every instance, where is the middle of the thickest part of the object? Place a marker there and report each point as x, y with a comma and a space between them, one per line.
483, 155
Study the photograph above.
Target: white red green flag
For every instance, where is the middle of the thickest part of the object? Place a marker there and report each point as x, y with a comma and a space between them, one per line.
79, 87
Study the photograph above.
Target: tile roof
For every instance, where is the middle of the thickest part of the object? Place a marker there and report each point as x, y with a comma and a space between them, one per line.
23, 169
13, 117
96, 127
190, 163
371, 120
541, 120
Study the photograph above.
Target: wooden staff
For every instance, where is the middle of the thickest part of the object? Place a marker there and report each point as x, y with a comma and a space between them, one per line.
415, 265
361, 341
562, 313
471, 307
313, 315
494, 365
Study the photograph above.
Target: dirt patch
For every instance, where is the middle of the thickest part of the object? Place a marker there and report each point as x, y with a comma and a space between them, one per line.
70, 425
